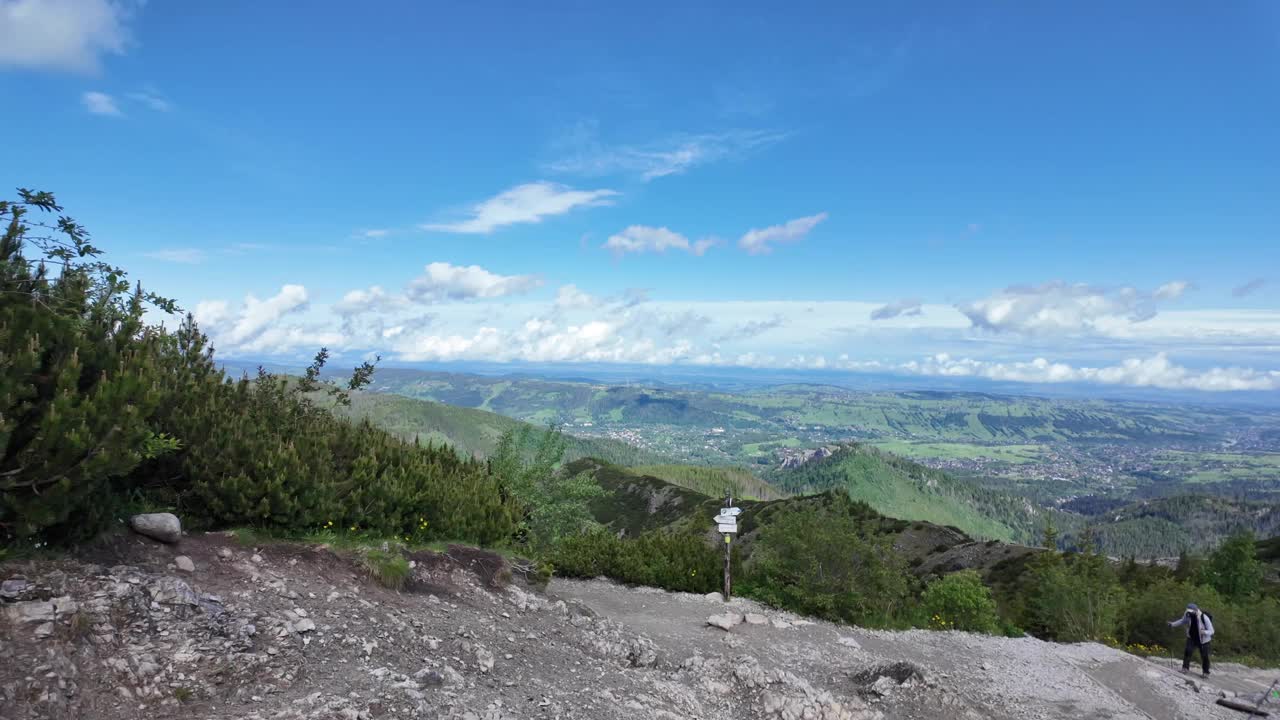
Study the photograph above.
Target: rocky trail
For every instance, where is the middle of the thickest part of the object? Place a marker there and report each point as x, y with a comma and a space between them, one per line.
209, 628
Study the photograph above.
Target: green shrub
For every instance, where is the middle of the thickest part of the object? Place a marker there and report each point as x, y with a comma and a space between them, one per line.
672, 561
960, 601
1234, 569
822, 561
554, 503
99, 412
1074, 599
78, 378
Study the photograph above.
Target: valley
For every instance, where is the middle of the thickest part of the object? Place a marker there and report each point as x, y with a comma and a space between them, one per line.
1053, 451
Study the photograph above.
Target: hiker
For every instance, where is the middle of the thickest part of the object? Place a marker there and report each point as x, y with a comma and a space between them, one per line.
1199, 633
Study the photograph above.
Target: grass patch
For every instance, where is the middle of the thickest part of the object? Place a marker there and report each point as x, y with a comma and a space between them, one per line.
388, 569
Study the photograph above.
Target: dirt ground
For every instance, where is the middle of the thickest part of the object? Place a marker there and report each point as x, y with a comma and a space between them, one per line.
295, 632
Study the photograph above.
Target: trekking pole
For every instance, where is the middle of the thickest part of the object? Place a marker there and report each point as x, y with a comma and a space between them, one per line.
1266, 696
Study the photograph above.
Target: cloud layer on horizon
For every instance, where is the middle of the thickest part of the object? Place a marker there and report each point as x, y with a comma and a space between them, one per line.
468, 313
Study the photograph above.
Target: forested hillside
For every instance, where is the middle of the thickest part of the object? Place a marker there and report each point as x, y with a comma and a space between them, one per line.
1166, 526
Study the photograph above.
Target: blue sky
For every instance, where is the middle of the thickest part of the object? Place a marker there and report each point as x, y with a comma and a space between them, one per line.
1032, 191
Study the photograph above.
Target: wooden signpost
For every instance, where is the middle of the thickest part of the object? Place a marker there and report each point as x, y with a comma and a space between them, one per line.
727, 525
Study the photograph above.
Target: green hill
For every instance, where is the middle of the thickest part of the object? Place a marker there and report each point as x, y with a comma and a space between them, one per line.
637, 503
903, 489
472, 433
713, 481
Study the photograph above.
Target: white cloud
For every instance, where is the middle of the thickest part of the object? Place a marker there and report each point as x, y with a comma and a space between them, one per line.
152, 100
212, 313
373, 233
257, 315
1154, 371
1059, 307
358, 302
265, 327
187, 256
1171, 290
643, 238
586, 155
100, 104
528, 203
903, 308
756, 241
486, 342
443, 281
569, 297
62, 34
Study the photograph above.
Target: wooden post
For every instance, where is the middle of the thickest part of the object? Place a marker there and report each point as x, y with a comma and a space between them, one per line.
728, 542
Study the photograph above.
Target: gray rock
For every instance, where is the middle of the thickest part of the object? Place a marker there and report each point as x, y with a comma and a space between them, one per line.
725, 621
849, 642
304, 625
44, 630
13, 587
225, 553
884, 685
164, 527
452, 677
484, 659
184, 564
172, 591
756, 619
714, 596
31, 611
429, 678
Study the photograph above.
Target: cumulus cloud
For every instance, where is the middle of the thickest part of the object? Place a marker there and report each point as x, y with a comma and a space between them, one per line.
100, 104
257, 315
186, 256
905, 308
1249, 288
1154, 371
62, 34
643, 238
586, 155
756, 241
359, 302
265, 327
528, 203
212, 313
443, 281
1059, 307
569, 297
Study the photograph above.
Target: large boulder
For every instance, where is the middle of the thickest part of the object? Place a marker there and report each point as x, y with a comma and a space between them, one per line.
725, 621
164, 527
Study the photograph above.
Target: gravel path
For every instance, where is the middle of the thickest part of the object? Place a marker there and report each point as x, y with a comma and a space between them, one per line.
976, 675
